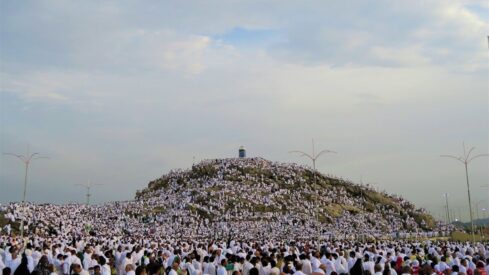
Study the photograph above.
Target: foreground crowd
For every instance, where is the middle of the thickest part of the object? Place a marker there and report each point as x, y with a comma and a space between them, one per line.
97, 255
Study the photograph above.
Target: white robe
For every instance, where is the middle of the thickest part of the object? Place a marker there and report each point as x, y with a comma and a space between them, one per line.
221, 271
306, 267
13, 264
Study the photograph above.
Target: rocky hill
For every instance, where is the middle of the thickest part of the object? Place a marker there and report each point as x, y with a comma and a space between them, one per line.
253, 196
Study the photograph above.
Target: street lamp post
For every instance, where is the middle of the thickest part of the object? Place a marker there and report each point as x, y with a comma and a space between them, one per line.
313, 157
484, 215
477, 207
27, 161
477, 213
448, 209
88, 185
466, 159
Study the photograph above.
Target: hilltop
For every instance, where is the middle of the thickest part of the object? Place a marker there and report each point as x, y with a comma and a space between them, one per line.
269, 195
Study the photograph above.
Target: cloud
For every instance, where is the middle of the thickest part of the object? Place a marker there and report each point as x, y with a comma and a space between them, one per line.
122, 92
35, 87
157, 50
315, 32
437, 32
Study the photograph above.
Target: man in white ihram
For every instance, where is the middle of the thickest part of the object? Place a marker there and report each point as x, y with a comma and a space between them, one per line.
221, 270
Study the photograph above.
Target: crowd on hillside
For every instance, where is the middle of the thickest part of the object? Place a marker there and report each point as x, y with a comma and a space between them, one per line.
242, 198
269, 219
279, 194
133, 219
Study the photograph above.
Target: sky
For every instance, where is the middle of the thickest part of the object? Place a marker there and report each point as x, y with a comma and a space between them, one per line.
120, 92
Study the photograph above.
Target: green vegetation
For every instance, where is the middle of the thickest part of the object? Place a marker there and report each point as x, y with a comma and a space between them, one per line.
199, 171
4, 222
370, 207
428, 219
464, 237
265, 208
201, 200
378, 198
159, 209
213, 189
354, 190
158, 184
334, 210
352, 209
322, 218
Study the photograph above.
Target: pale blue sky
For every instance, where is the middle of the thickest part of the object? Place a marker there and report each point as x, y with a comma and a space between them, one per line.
120, 92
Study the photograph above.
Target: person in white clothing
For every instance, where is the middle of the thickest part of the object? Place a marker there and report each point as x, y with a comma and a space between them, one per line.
14, 262
209, 268
378, 269
124, 262
340, 263
265, 267
77, 269
368, 264
197, 265
221, 270
129, 270
306, 264
315, 263
247, 265
66, 265
174, 267
2, 265
455, 270
351, 260
298, 268
329, 263
104, 267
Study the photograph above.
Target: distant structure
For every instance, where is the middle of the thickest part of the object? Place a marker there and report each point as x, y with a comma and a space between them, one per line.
242, 152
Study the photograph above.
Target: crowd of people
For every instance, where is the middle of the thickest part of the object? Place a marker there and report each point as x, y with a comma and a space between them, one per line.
243, 198
235, 216
85, 254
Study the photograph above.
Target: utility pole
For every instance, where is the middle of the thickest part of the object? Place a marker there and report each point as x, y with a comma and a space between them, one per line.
465, 160
477, 207
88, 185
313, 157
477, 215
27, 161
484, 225
448, 209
